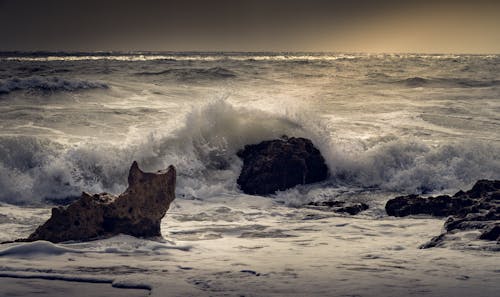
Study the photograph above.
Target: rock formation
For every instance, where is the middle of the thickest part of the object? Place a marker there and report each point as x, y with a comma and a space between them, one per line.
138, 211
478, 208
279, 165
341, 206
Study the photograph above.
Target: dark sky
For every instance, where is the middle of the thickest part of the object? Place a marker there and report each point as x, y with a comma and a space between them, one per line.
272, 25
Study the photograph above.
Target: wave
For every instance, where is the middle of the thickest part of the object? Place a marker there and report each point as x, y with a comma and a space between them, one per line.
411, 166
204, 151
193, 73
448, 82
175, 56
47, 85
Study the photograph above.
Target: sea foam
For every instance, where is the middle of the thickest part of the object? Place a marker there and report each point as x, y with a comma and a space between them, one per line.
204, 150
47, 85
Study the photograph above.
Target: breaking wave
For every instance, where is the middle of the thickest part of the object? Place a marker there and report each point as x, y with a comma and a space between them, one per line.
193, 73
47, 85
204, 151
411, 166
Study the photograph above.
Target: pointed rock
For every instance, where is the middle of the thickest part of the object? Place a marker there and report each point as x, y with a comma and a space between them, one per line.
134, 174
138, 211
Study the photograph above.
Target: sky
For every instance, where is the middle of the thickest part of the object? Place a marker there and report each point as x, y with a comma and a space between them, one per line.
425, 26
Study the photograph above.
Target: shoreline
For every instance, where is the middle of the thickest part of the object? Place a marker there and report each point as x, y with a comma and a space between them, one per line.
40, 286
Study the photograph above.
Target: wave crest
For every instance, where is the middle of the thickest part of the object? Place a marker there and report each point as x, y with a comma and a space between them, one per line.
185, 74
448, 82
204, 151
47, 85
411, 166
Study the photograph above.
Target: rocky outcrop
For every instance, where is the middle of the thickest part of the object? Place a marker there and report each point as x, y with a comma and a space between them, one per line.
340, 206
478, 208
440, 206
277, 165
492, 233
138, 211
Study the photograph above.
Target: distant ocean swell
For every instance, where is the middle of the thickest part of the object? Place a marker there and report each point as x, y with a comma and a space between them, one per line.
204, 151
47, 84
432, 82
448, 82
192, 73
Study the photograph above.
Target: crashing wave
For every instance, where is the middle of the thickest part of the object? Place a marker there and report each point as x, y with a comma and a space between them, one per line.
204, 152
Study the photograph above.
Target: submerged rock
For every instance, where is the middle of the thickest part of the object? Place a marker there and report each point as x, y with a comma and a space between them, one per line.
476, 209
138, 211
277, 165
341, 206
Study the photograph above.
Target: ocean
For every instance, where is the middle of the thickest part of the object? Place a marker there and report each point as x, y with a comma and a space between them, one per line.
386, 124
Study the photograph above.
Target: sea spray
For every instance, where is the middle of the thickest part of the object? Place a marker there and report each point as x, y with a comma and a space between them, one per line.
204, 150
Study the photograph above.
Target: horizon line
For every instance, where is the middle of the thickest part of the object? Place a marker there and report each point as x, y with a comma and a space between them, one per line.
132, 52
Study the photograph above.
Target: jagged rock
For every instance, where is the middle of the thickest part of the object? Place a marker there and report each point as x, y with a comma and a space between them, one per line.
492, 233
476, 209
439, 206
277, 165
434, 242
138, 211
341, 206
483, 189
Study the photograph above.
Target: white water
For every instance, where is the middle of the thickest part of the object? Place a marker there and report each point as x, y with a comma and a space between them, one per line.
405, 124
386, 124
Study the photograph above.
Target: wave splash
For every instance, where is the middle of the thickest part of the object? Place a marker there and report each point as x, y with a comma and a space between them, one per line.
411, 166
204, 151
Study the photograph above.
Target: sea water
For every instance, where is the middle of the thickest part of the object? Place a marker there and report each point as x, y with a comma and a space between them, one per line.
387, 124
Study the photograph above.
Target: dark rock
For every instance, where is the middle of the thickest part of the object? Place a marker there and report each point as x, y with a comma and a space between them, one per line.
484, 187
328, 203
277, 165
440, 206
250, 272
434, 242
472, 220
341, 206
476, 209
492, 233
137, 212
353, 209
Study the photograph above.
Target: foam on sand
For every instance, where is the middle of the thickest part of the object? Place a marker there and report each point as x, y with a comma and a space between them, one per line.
37, 248
13, 285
